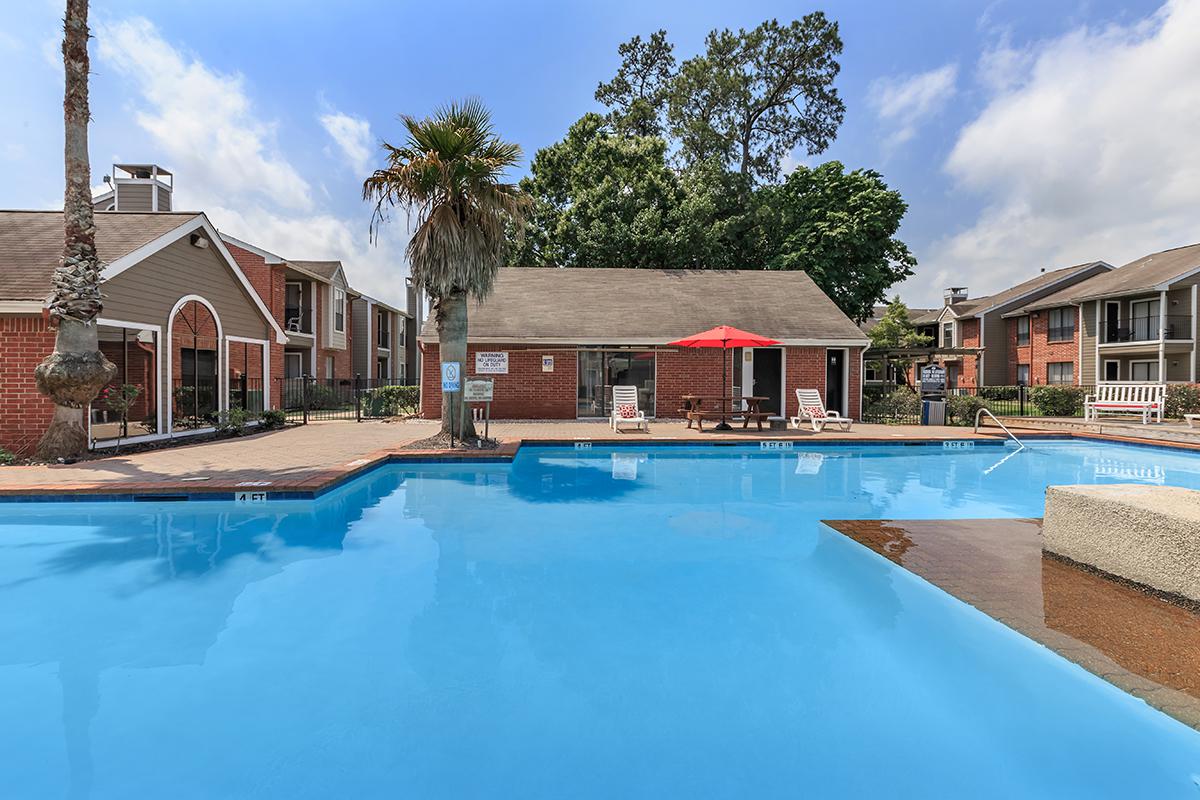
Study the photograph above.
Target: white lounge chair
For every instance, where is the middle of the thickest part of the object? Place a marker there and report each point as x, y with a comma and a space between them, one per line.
812, 409
625, 409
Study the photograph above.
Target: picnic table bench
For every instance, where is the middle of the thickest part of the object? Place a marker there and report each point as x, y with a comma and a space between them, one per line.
694, 410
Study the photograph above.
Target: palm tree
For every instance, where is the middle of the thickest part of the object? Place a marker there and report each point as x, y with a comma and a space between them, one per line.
447, 176
76, 371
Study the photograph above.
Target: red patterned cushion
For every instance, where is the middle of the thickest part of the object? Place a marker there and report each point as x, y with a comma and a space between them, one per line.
627, 411
816, 412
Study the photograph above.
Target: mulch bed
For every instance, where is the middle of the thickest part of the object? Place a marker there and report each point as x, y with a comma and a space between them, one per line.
441, 441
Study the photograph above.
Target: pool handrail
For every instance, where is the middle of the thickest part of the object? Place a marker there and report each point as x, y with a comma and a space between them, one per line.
983, 411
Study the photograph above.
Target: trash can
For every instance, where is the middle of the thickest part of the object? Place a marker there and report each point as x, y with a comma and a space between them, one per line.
933, 412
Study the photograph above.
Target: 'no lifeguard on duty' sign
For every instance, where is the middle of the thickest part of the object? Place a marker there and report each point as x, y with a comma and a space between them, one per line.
451, 376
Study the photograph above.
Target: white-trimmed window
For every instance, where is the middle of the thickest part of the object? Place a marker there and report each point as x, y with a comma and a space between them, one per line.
1060, 372
1023, 374
1061, 325
1022, 331
1143, 371
947, 334
339, 310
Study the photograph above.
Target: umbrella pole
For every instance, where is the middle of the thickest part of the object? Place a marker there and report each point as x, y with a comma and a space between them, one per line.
724, 426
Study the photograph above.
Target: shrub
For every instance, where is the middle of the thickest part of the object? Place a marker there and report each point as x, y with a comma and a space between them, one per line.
1182, 398
6, 457
962, 408
233, 422
1058, 401
324, 396
274, 418
903, 402
388, 401
998, 392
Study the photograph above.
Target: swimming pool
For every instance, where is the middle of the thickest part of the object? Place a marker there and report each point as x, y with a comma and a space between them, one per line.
606, 622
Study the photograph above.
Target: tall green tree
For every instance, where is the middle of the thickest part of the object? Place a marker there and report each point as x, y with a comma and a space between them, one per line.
637, 95
840, 227
894, 331
448, 176
73, 375
751, 98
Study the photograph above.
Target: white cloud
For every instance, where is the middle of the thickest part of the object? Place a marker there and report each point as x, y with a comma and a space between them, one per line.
902, 104
203, 120
1085, 150
228, 163
353, 136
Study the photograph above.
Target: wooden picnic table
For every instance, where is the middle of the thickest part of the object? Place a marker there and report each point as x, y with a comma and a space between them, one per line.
695, 411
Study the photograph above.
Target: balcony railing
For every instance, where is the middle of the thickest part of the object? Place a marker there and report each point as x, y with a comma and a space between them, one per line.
1146, 329
1064, 333
297, 319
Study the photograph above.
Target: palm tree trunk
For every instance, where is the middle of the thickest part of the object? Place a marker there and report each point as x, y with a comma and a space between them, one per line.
451, 315
76, 371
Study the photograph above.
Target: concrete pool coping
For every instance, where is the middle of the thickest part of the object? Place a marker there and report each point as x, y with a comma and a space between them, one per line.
267, 485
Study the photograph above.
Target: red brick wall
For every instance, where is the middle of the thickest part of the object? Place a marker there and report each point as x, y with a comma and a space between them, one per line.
1040, 351
689, 371
524, 393
969, 334
24, 413
528, 393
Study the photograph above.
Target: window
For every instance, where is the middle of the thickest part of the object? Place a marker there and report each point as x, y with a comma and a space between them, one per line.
1112, 370
401, 336
1023, 374
1144, 371
1060, 372
1143, 321
293, 364
329, 367
384, 330
381, 368
947, 334
600, 370
872, 373
339, 310
1022, 331
1061, 325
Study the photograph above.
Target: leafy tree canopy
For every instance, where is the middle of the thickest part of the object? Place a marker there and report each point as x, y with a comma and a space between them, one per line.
840, 227
895, 329
683, 170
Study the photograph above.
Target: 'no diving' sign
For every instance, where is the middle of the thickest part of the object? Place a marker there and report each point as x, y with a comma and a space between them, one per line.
451, 376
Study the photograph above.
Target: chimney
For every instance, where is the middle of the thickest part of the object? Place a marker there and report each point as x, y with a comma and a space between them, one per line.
955, 294
139, 187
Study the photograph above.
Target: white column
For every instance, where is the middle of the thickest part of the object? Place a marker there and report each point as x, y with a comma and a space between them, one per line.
1162, 333
1192, 354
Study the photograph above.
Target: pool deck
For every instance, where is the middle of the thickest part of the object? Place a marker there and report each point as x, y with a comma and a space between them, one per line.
306, 460
1131, 637
311, 458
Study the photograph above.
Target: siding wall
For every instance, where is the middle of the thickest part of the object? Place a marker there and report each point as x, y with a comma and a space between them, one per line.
1088, 332
362, 362
134, 196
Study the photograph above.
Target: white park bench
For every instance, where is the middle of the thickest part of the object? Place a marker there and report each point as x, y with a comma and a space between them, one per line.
1143, 399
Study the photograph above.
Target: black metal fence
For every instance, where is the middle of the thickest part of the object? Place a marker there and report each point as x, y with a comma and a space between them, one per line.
306, 398
899, 405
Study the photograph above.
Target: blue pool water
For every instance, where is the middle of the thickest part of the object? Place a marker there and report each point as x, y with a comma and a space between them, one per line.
611, 623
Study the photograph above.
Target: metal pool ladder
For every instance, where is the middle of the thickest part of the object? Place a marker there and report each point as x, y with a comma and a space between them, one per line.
983, 411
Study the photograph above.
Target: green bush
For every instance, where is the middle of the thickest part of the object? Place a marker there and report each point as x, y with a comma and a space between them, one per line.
1058, 401
903, 402
324, 396
233, 422
388, 401
962, 408
1182, 398
998, 392
6, 457
274, 418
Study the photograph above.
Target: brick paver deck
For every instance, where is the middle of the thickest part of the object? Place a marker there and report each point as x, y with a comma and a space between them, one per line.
308, 459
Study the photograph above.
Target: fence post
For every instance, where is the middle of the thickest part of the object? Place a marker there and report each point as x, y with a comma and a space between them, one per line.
304, 396
357, 397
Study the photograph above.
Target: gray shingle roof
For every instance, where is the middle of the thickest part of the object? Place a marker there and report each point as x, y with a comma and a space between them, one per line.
31, 243
651, 306
323, 269
1141, 275
976, 305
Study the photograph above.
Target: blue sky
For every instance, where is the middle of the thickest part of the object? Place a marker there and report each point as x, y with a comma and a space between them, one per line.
1023, 134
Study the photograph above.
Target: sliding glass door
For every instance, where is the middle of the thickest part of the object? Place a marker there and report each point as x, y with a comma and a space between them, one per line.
600, 370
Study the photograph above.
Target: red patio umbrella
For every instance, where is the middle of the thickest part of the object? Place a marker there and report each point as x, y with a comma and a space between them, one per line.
724, 337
